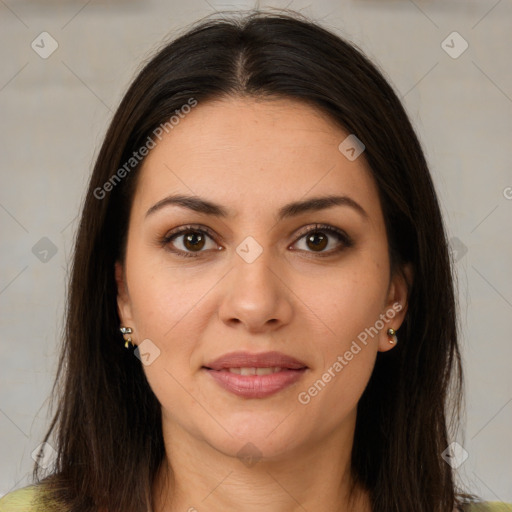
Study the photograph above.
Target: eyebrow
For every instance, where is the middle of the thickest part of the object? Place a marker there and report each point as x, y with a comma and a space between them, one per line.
201, 205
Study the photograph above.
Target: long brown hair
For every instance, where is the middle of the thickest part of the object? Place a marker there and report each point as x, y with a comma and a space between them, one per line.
107, 426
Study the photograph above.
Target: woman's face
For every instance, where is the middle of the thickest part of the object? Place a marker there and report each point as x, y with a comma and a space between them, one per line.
243, 275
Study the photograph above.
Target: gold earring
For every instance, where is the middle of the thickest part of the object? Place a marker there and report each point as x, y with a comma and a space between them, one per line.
392, 333
127, 330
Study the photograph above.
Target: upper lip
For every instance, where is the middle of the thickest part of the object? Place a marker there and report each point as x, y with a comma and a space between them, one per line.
261, 360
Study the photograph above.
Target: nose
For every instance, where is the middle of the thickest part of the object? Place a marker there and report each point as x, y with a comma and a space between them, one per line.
256, 295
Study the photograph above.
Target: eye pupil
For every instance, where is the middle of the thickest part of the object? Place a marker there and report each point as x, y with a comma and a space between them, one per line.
314, 239
194, 241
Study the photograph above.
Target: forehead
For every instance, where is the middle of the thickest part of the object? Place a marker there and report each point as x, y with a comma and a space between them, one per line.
253, 153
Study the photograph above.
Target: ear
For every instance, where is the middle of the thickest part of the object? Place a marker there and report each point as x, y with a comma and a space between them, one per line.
124, 307
396, 305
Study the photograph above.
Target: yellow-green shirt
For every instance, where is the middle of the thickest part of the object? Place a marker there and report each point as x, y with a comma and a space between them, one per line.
22, 499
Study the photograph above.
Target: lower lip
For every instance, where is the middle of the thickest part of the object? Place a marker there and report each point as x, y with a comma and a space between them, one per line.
256, 386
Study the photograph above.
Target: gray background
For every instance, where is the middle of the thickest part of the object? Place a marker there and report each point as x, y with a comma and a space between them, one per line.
54, 113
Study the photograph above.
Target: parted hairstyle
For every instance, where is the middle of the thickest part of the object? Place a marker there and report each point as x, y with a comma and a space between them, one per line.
106, 428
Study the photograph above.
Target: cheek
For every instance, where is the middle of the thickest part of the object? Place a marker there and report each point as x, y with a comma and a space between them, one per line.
332, 395
170, 307
345, 363
167, 310
346, 300
349, 305
164, 296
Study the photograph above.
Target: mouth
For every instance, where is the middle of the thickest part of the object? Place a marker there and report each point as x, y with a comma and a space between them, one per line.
255, 375
253, 371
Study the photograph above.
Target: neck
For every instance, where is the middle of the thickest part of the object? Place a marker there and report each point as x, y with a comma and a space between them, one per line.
200, 477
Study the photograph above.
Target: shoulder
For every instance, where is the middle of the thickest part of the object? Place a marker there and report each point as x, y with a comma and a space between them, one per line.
488, 506
20, 500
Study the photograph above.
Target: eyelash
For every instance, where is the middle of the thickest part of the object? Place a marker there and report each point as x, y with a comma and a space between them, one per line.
342, 237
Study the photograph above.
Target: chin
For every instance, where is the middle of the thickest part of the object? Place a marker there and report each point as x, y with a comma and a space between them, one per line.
257, 438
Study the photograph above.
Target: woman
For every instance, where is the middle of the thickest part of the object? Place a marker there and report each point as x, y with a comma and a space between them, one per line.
261, 309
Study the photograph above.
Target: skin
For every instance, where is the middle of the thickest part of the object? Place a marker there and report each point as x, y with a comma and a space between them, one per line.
252, 157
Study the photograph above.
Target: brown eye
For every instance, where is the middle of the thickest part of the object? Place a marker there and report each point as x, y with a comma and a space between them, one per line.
319, 238
194, 241
189, 241
317, 241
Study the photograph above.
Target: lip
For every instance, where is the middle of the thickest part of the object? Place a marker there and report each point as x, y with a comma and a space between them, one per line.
255, 386
261, 360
